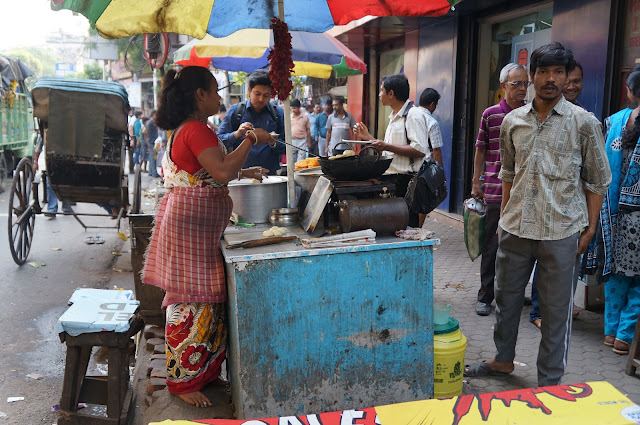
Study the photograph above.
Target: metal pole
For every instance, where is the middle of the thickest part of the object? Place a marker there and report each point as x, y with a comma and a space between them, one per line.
155, 87
291, 184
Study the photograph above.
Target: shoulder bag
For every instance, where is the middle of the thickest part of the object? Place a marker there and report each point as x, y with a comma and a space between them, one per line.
428, 187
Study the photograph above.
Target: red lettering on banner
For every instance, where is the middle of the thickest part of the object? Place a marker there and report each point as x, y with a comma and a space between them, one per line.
528, 395
347, 417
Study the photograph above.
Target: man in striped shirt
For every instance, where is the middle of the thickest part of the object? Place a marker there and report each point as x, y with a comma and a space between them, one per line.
514, 81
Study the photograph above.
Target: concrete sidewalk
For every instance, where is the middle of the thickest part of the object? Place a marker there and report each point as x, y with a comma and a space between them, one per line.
456, 281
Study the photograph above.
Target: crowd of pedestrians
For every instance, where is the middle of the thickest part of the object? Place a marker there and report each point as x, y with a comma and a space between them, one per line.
147, 142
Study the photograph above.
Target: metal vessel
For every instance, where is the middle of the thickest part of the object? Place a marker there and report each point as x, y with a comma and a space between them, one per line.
382, 215
253, 202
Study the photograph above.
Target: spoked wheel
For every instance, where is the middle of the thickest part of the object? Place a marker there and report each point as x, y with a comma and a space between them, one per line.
136, 204
22, 217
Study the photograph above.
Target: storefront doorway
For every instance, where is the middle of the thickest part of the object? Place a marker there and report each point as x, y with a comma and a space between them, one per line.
505, 38
502, 38
391, 62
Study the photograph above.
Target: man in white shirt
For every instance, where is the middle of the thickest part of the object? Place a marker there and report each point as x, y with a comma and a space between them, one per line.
428, 103
406, 137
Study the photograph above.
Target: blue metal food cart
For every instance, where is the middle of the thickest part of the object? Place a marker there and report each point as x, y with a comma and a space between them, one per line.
324, 329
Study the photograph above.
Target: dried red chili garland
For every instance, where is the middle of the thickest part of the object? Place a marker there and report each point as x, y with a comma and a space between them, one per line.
280, 61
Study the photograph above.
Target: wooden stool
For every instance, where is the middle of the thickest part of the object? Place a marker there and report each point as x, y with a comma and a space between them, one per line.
634, 352
112, 390
99, 318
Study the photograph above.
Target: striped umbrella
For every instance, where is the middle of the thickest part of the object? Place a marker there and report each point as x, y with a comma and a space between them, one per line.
220, 18
122, 18
315, 55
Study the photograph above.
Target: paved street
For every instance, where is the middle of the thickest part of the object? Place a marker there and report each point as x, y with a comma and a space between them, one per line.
456, 281
33, 300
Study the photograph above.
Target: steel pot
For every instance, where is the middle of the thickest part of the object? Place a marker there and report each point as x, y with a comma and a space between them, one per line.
284, 217
253, 202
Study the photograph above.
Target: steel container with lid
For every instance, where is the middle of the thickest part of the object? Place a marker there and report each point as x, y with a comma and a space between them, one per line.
254, 201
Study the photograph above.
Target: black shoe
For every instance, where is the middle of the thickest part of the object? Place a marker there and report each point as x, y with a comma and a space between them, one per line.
50, 215
527, 301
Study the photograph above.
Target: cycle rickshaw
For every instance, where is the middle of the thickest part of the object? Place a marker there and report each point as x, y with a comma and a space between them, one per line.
84, 127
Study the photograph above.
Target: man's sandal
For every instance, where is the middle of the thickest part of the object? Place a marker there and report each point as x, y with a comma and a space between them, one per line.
481, 369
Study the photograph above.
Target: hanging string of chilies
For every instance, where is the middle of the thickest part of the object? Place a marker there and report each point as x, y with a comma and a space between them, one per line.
280, 60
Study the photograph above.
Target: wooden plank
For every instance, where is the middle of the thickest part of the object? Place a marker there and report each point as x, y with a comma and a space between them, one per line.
70, 382
77, 418
634, 352
117, 381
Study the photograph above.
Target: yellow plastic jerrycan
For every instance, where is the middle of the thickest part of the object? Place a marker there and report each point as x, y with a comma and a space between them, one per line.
449, 345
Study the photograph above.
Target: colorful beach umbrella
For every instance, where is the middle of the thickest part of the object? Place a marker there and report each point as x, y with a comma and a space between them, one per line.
313, 54
220, 18
122, 18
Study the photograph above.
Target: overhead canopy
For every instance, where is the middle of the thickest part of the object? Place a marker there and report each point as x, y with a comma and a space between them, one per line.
122, 18
313, 54
77, 112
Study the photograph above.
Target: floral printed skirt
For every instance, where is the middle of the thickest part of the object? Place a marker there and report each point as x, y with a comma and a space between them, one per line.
196, 340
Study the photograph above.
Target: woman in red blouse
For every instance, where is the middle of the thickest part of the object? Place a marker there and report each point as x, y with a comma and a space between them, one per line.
183, 257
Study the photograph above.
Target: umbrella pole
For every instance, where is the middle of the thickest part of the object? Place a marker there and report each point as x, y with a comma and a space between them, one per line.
291, 184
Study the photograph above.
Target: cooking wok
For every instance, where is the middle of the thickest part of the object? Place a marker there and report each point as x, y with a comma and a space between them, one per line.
360, 167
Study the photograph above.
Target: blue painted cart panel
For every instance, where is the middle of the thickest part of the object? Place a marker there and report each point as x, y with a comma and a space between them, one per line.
330, 329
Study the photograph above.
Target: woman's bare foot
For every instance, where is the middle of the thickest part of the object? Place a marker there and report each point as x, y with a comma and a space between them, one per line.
196, 399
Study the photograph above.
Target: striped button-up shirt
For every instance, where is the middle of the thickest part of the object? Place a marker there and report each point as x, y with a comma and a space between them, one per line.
550, 164
420, 126
489, 140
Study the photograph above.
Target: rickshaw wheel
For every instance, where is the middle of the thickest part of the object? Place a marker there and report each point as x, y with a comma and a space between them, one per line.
137, 190
21, 214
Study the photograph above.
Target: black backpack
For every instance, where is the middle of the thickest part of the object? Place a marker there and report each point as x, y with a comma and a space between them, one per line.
242, 107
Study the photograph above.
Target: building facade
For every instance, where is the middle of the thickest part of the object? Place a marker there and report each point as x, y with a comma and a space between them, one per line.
461, 54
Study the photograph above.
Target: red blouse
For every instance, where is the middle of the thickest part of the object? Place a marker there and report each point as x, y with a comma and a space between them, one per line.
187, 145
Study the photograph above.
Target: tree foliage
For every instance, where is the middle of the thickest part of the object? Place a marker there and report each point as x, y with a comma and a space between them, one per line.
92, 72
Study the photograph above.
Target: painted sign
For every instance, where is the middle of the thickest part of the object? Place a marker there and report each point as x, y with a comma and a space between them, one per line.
134, 89
64, 69
587, 404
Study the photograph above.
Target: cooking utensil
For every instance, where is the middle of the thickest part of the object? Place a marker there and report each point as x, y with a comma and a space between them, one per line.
285, 211
355, 167
253, 202
295, 147
357, 142
284, 217
318, 200
262, 242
